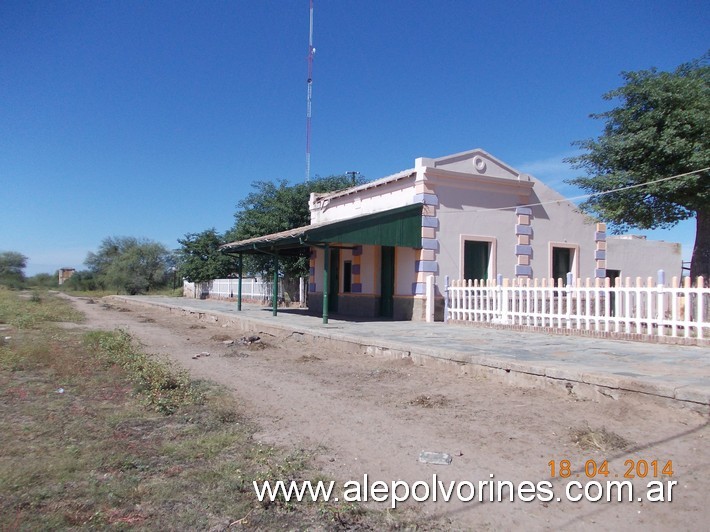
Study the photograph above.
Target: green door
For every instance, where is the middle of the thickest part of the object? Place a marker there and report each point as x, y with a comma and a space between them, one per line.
333, 280
475, 260
387, 282
561, 263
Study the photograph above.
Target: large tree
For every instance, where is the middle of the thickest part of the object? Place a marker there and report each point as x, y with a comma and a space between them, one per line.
657, 142
277, 206
200, 259
12, 265
130, 264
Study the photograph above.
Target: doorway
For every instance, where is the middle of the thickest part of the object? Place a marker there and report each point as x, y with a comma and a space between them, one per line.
333, 279
561, 263
476, 255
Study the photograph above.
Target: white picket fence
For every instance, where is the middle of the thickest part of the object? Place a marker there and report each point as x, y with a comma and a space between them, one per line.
650, 307
252, 289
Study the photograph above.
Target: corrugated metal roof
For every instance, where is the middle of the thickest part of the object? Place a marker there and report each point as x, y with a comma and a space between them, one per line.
394, 227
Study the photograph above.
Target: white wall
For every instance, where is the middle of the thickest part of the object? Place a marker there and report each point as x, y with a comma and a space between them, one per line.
489, 214
404, 271
392, 192
560, 222
457, 216
369, 273
637, 257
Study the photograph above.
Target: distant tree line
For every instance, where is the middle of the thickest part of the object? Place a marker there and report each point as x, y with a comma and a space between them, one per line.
125, 264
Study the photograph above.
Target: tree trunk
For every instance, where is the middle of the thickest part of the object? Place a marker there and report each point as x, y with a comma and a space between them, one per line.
291, 291
700, 263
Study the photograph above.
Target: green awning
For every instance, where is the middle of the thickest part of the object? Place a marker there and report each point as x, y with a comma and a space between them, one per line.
400, 227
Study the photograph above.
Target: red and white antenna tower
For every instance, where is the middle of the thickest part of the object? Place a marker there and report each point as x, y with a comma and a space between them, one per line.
311, 53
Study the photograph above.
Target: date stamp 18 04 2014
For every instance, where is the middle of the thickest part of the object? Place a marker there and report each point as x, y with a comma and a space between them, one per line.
593, 469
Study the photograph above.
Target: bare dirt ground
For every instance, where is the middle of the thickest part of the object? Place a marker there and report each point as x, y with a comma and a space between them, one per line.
357, 414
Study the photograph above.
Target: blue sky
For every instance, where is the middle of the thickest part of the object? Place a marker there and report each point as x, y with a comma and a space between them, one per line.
151, 119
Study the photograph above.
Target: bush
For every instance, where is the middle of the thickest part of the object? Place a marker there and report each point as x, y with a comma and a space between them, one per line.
164, 387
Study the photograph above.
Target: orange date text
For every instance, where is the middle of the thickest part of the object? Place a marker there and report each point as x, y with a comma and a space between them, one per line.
594, 468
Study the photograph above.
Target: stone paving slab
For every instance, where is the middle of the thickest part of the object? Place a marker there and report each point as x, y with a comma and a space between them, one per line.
675, 372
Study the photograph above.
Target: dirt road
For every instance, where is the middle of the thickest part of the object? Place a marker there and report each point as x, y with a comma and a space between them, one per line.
359, 414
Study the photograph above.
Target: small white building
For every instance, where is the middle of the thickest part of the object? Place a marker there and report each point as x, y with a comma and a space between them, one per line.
462, 216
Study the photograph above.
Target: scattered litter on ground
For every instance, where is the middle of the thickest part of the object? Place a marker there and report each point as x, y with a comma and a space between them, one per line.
252, 342
201, 355
431, 457
60, 390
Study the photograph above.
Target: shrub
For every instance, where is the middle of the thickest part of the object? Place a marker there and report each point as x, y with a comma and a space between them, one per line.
164, 387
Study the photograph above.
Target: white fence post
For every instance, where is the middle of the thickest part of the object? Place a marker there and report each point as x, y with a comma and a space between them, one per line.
568, 302
446, 299
505, 309
700, 287
660, 302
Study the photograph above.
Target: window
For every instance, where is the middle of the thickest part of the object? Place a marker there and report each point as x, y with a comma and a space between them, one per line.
561, 263
347, 276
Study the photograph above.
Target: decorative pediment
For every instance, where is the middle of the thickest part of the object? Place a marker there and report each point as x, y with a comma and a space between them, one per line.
476, 162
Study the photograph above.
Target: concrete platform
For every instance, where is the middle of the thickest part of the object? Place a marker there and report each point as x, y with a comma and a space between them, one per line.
584, 366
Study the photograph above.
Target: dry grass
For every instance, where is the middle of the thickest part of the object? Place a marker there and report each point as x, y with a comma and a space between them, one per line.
430, 401
590, 439
80, 448
308, 358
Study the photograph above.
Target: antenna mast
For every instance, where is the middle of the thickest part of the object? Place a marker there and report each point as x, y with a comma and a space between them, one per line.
311, 52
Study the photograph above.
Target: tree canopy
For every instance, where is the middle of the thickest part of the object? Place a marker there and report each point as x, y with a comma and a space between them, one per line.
200, 259
12, 266
130, 264
43, 280
655, 147
277, 206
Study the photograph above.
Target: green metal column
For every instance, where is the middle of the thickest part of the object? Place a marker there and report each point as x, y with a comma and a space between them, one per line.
275, 295
326, 264
239, 286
